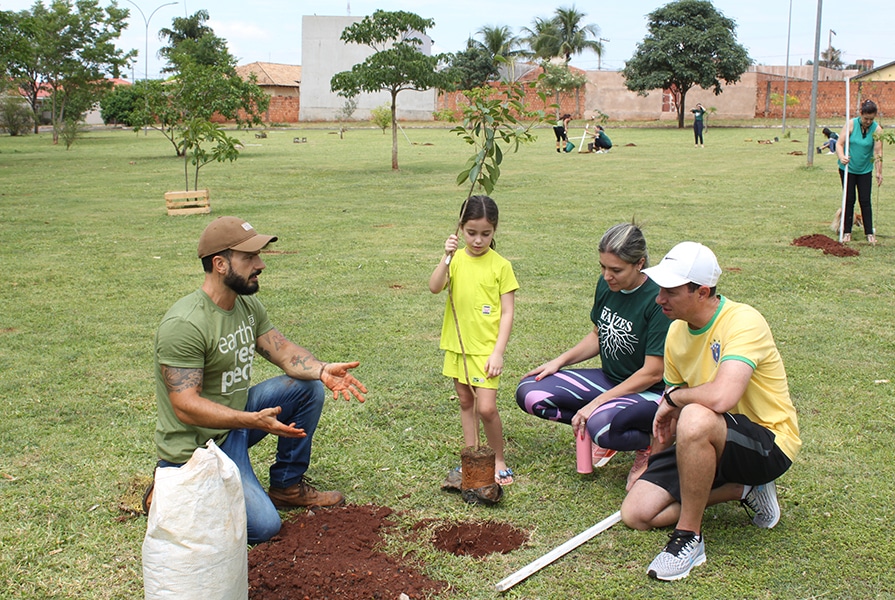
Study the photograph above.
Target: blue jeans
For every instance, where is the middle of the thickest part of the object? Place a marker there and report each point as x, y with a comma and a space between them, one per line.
302, 403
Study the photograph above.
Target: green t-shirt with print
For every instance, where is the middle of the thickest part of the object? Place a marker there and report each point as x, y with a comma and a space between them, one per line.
631, 326
198, 334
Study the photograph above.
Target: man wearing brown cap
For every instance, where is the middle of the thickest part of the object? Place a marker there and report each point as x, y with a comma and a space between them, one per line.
726, 410
204, 351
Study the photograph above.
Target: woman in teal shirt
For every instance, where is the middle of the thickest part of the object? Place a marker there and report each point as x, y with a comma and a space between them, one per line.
865, 149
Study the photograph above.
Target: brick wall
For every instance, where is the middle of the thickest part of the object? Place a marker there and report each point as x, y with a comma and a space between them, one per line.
830, 98
282, 109
569, 102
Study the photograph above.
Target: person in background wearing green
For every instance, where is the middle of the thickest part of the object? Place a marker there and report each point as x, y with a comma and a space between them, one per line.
698, 124
864, 150
601, 143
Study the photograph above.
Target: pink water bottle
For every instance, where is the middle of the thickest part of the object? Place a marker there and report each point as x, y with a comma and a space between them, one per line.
583, 454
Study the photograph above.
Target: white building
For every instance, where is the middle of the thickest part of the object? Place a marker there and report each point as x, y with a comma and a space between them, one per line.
324, 54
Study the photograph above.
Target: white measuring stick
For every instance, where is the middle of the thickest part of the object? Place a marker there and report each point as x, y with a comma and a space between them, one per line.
845, 171
557, 552
581, 145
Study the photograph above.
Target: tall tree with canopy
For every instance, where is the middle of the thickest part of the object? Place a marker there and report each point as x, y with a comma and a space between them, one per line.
471, 68
66, 49
689, 43
397, 64
204, 82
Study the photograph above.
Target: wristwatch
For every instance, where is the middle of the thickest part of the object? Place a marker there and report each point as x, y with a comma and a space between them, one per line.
667, 396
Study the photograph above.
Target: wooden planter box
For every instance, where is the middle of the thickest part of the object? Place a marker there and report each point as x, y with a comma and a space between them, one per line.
187, 203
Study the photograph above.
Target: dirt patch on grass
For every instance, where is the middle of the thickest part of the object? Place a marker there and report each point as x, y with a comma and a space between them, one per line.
337, 554
828, 245
477, 539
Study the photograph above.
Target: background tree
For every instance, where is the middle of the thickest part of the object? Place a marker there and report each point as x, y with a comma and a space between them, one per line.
117, 107
558, 79
196, 134
832, 59
472, 67
66, 49
559, 38
542, 39
15, 117
562, 36
204, 83
397, 65
689, 43
499, 41
503, 47
191, 36
575, 38
381, 116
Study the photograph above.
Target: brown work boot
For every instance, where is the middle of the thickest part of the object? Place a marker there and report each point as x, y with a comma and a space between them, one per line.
303, 495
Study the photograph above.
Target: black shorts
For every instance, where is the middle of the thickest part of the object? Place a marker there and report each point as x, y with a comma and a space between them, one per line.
750, 457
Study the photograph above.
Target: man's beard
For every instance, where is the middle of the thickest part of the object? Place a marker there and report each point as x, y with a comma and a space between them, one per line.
240, 285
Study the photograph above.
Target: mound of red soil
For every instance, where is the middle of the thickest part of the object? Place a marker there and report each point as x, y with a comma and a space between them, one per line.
828, 245
334, 554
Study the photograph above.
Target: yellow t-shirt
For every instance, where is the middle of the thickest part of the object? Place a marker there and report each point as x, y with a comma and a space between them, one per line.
477, 283
737, 332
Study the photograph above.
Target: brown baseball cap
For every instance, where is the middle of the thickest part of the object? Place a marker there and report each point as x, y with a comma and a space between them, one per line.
231, 233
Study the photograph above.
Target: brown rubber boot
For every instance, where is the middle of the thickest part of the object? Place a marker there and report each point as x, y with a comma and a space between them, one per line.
303, 495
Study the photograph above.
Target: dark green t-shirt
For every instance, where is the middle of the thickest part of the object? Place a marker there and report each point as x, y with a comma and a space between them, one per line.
198, 334
631, 327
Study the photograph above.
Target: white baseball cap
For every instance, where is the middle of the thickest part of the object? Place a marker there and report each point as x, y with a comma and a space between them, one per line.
688, 262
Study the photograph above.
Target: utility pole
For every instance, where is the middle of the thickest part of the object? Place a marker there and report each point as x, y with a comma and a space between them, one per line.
786, 73
146, 48
600, 55
830, 49
813, 120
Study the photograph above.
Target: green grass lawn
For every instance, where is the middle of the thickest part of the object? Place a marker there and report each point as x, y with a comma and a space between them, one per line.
93, 262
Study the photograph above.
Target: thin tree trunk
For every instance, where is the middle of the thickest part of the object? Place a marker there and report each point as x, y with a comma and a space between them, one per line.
394, 130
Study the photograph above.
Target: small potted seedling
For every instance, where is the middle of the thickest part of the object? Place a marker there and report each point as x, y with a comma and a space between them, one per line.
197, 133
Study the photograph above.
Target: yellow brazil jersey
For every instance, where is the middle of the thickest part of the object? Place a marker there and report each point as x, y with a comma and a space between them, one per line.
737, 332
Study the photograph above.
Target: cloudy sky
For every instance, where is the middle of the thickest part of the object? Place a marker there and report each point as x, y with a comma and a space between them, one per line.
270, 30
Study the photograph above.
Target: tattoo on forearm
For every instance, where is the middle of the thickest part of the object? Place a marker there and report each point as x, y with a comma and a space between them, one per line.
303, 360
277, 339
179, 380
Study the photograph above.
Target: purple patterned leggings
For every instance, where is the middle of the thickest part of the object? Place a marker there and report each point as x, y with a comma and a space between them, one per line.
621, 424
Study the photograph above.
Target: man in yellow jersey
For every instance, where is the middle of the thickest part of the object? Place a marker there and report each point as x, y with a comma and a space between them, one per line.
726, 427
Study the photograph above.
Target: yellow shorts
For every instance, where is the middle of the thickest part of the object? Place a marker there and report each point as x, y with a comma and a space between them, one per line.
453, 367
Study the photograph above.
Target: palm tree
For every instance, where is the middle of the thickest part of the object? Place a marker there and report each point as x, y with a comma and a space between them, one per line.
562, 36
499, 41
543, 38
575, 38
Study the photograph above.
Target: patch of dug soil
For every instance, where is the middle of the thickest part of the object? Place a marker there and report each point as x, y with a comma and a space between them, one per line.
828, 245
331, 554
477, 539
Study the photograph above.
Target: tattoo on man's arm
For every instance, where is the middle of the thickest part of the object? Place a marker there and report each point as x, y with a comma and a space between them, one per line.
180, 380
303, 360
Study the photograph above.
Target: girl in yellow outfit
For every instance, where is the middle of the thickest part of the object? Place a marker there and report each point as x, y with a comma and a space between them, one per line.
483, 288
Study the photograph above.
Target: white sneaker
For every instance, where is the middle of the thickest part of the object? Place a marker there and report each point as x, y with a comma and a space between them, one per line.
762, 499
683, 551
